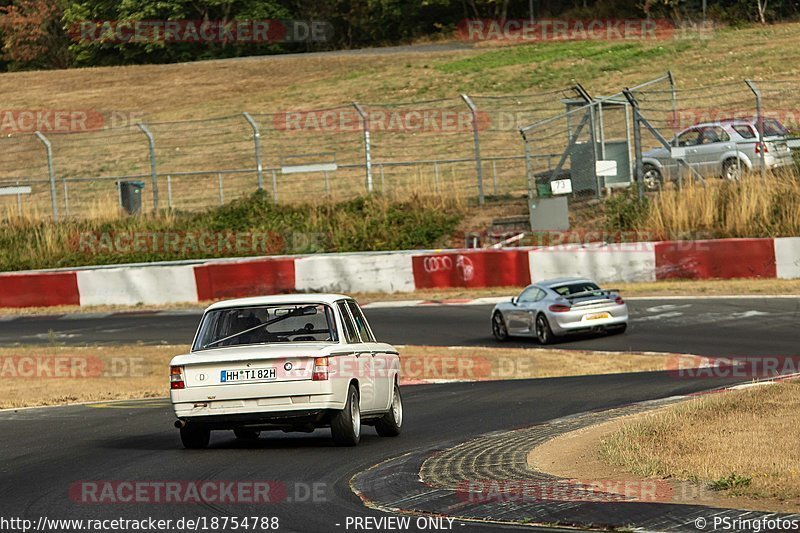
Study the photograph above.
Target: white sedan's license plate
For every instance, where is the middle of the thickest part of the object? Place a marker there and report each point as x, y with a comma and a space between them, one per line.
242, 375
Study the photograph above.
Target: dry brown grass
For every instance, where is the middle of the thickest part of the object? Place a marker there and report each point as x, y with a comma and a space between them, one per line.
744, 442
89, 374
133, 372
226, 88
753, 207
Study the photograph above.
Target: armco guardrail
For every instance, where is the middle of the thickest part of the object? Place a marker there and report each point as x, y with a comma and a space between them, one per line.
401, 271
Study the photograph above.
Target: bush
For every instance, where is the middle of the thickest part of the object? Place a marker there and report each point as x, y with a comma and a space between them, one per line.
362, 224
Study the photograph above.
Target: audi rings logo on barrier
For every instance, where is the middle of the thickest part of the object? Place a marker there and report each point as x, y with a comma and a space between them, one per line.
445, 263
437, 264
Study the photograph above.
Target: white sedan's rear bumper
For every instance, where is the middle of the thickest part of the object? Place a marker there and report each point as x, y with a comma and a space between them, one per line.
257, 399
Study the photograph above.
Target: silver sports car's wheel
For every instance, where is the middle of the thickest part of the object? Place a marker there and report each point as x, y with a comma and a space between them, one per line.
499, 329
543, 332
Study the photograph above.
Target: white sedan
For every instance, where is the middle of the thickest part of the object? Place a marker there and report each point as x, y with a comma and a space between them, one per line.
289, 362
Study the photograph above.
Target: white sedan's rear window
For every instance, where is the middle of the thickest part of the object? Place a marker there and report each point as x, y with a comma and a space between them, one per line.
238, 326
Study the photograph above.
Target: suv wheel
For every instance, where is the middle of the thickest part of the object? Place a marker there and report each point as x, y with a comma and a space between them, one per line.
732, 170
652, 178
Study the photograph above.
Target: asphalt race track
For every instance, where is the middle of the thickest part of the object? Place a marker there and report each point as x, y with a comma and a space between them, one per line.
708, 326
45, 452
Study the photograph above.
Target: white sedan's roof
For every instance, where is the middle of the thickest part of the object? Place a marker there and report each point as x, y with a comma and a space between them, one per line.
279, 299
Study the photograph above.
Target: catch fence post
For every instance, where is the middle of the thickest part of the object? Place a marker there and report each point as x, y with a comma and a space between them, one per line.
51, 172
477, 142
151, 144
257, 144
367, 144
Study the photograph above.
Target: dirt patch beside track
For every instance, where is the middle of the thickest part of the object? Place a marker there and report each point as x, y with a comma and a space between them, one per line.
56, 375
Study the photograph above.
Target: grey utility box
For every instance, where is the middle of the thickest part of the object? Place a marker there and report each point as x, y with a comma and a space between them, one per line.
130, 196
549, 214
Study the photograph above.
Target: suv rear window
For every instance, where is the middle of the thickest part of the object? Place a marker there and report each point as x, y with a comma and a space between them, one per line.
772, 127
744, 130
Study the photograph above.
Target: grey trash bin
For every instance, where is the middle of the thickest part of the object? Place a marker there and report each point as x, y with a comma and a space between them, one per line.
130, 196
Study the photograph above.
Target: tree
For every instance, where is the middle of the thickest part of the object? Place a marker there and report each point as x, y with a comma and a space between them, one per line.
33, 36
762, 7
98, 52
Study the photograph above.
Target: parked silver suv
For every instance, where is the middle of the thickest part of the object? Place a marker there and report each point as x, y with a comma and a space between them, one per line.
724, 148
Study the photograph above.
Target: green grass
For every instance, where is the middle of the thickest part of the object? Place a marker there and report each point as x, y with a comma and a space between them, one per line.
551, 61
730, 482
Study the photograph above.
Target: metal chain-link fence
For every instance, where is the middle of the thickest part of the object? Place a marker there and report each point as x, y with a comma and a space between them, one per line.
658, 135
463, 147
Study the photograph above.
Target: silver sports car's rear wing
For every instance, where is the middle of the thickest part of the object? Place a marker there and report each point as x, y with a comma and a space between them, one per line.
601, 292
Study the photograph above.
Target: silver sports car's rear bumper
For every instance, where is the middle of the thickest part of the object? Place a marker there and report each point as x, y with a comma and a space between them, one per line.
588, 318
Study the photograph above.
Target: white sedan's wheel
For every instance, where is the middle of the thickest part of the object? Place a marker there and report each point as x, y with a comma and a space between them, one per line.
346, 424
389, 425
195, 438
246, 434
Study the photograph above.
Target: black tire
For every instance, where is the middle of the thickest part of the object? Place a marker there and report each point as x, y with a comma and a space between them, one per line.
346, 424
652, 178
195, 438
732, 170
389, 425
617, 330
246, 434
499, 329
543, 332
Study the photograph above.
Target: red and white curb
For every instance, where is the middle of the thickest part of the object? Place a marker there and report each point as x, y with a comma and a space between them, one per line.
401, 271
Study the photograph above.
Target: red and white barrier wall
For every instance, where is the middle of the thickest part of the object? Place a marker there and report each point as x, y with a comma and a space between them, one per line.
404, 271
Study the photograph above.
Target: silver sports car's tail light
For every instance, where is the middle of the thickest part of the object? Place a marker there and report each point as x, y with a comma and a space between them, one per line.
559, 308
618, 300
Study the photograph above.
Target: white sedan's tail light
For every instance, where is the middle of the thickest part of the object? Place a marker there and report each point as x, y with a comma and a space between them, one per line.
320, 369
176, 378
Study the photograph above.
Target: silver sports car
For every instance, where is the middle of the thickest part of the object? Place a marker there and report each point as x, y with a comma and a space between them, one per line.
556, 307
